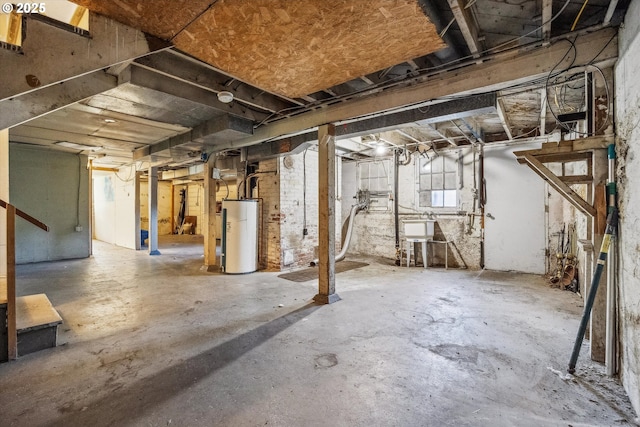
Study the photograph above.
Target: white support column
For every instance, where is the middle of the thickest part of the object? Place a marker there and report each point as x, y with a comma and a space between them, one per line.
327, 215
139, 242
209, 229
153, 211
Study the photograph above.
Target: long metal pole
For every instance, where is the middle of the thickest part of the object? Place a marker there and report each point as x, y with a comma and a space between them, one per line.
611, 336
612, 224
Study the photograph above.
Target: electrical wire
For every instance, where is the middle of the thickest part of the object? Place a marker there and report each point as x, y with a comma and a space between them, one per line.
589, 64
129, 178
573, 27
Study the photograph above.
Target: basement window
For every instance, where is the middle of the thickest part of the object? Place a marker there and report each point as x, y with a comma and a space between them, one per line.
376, 177
437, 182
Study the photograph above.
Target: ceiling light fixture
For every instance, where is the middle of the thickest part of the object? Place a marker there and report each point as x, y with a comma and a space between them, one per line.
225, 97
109, 121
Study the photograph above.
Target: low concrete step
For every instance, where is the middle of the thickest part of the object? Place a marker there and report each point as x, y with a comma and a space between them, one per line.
36, 322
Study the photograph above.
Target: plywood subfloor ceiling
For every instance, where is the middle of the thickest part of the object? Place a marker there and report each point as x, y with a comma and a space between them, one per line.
291, 48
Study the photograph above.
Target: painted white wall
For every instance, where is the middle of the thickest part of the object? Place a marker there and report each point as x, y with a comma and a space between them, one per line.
515, 239
114, 199
627, 95
51, 186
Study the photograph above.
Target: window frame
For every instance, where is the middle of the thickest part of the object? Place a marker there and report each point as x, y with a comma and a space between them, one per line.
442, 177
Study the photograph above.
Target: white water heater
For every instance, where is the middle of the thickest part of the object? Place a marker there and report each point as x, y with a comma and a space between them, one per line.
239, 236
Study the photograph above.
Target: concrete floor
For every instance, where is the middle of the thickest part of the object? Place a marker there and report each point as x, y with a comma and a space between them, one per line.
155, 341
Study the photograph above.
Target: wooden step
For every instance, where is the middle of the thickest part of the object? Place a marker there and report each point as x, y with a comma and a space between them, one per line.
36, 322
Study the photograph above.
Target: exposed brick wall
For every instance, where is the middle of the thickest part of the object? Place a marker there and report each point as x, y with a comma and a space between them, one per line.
286, 214
269, 192
299, 249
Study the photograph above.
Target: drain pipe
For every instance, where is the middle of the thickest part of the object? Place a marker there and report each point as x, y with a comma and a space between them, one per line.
483, 200
396, 217
611, 320
345, 246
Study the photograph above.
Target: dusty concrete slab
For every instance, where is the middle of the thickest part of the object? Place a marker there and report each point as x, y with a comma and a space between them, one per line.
156, 341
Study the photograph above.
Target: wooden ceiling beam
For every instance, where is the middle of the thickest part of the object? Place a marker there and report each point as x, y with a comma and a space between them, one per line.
144, 77
557, 184
443, 135
504, 70
31, 105
52, 56
467, 26
504, 119
547, 11
205, 77
543, 111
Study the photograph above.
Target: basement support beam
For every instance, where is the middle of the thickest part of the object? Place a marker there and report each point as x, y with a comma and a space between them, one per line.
52, 56
443, 135
210, 217
327, 215
467, 26
547, 12
143, 77
4, 195
557, 184
153, 211
183, 69
18, 110
504, 119
543, 111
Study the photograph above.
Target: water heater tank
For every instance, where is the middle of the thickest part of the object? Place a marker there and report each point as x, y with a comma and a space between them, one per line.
240, 236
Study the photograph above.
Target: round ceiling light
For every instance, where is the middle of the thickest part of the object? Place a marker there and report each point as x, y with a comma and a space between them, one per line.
225, 96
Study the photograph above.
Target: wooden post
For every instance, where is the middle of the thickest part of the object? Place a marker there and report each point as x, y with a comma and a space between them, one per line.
173, 208
210, 217
90, 190
12, 334
327, 215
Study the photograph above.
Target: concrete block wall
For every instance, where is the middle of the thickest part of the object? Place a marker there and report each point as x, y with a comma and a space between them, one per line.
52, 186
628, 175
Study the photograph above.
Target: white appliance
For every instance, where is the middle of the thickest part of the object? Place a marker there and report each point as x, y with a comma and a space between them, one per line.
239, 236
